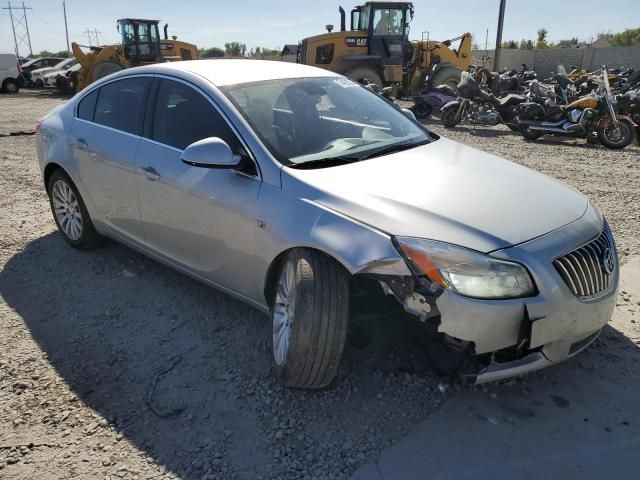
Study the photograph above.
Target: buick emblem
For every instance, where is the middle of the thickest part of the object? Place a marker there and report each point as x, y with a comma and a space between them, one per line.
608, 261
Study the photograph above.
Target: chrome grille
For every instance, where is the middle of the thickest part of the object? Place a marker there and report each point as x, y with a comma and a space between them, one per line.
588, 270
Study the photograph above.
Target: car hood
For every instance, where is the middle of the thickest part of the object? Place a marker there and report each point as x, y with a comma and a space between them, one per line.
56, 71
443, 191
41, 70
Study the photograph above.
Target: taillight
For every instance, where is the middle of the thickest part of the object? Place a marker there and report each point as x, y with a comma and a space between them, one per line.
38, 125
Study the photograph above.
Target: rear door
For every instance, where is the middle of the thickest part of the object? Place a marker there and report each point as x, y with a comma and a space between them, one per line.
387, 35
105, 137
203, 219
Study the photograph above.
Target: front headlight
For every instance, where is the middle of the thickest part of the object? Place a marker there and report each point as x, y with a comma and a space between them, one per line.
465, 271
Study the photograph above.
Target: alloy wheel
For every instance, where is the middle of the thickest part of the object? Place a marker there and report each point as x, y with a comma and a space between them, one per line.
617, 134
11, 87
67, 210
283, 313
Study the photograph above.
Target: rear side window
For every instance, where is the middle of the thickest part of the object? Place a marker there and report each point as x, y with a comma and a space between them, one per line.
87, 106
121, 104
183, 116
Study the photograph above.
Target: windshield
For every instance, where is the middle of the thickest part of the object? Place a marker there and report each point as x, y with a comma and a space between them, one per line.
322, 119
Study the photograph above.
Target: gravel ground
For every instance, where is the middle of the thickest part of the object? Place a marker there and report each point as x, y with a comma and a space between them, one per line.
113, 366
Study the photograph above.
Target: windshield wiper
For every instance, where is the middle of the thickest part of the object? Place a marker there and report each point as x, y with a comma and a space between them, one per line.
343, 160
324, 162
396, 147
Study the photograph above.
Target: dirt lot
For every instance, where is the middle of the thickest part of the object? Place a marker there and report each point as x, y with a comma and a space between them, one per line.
113, 366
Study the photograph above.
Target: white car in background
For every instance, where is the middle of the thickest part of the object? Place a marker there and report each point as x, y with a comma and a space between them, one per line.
38, 76
10, 73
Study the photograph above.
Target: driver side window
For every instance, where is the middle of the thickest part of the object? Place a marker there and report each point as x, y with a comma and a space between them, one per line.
183, 116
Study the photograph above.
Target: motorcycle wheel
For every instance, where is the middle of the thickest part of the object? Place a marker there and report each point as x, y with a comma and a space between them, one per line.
448, 117
513, 127
529, 134
617, 137
422, 109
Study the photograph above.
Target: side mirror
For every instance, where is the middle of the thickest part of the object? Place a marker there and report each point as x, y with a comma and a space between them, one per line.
211, 152
409, 114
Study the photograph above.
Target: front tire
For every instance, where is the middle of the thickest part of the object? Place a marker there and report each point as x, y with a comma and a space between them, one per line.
447, 76
617, 137
448, 116
309, 317
70, 213
360, 74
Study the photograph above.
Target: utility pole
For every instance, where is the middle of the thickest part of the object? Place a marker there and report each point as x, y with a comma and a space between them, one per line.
96, 32
66, 29
20, 27
496, 61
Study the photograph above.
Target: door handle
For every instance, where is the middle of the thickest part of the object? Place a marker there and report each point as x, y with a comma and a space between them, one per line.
151, 173
81, 144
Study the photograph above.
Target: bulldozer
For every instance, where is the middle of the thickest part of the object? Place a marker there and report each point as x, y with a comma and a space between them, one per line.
141, 45
376, 49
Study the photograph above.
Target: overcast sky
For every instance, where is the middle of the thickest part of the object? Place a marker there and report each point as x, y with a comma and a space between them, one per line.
274, 23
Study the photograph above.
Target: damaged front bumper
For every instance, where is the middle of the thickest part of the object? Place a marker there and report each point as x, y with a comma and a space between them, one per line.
511, 337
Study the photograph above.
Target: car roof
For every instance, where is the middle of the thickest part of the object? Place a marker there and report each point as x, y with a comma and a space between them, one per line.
222, 72
26, 64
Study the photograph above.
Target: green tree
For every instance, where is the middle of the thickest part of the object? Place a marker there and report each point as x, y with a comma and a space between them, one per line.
510, 44
542, 38
213, 52
570, 43
629, 37
526, 44
235, 49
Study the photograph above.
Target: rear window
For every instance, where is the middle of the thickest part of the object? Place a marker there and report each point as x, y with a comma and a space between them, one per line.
87, 106
121, 105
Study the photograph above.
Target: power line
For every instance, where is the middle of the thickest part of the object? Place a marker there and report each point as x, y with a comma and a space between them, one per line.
92, 34
20, 27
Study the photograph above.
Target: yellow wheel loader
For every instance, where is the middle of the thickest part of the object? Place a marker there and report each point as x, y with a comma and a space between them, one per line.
377, 48
141, 45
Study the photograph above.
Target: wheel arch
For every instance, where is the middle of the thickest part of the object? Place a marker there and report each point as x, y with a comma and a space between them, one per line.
49, 169
271, 277
350, 62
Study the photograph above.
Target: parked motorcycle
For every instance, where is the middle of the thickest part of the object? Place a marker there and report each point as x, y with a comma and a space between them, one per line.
478, 106
594, 113
432, 101
433, 97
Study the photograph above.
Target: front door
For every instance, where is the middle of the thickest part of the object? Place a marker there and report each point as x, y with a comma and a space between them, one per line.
105, 137
200, 218
387, 35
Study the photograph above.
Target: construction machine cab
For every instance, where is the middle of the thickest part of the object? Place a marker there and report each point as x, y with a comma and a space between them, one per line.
140, 40
387, 28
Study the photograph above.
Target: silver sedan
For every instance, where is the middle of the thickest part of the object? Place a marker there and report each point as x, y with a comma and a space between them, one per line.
288, 186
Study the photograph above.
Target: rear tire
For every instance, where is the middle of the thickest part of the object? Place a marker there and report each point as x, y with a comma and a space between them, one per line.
10, 86
309, 317
70, 213
611, 138
359, 74
448, 116
422, 109
529, 134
